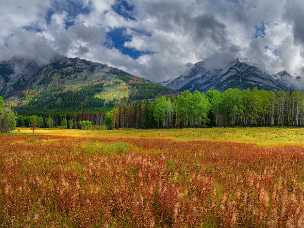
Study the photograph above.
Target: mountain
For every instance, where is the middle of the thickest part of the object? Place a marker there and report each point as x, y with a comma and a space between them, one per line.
70, 84
236, 74
16, 75
290, 81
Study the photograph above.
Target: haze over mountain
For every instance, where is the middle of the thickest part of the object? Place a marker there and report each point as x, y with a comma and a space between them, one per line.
203, 76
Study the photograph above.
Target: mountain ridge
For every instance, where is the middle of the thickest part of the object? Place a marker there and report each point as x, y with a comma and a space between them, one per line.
235, 74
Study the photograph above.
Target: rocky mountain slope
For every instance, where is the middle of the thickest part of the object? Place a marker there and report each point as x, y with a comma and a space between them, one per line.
236, 74
71, 84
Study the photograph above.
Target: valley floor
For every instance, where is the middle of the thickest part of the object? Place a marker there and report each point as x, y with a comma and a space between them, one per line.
252, 177
259, 136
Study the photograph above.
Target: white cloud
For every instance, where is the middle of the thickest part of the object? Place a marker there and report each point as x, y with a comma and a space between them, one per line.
181, 32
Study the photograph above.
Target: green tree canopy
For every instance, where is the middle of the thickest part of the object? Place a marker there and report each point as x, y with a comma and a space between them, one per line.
162, 110
232, 105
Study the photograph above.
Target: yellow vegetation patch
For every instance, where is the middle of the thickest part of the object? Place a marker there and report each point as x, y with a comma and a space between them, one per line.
259, 136
114, 91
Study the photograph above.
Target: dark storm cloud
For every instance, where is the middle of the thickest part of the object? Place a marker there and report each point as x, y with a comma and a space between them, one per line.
206, 26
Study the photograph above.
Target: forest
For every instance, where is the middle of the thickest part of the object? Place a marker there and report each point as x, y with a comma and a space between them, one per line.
65, 120
231, 108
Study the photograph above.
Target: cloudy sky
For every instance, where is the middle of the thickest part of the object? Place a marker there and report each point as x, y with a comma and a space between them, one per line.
155, 39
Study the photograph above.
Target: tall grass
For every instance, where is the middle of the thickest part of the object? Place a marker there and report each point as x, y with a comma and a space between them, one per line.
138, 182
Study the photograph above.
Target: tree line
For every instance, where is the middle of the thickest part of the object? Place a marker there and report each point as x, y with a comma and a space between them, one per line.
231, 108
63, 120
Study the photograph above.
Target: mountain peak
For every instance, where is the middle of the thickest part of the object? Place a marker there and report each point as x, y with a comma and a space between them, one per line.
236, 61
233, 63
238, 73
284, 73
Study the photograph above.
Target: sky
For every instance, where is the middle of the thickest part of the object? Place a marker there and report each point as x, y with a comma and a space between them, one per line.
156, 39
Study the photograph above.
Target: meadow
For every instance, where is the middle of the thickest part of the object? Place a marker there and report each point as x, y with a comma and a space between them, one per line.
221, 177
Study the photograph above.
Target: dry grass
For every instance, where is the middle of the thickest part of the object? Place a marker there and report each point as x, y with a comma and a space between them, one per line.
136, 181
260, 136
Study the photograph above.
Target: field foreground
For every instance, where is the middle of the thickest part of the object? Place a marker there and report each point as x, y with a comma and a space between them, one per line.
147, 179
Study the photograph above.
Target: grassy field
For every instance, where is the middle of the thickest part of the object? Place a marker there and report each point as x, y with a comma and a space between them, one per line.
152, 178
259, 136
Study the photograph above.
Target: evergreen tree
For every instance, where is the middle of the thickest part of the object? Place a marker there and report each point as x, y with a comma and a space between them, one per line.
109, 120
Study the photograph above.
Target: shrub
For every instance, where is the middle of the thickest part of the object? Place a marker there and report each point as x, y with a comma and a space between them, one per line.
85, 125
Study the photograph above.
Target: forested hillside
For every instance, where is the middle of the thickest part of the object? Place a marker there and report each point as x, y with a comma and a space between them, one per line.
70, 85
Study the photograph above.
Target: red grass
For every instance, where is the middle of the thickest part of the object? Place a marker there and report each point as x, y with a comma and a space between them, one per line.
51, 181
